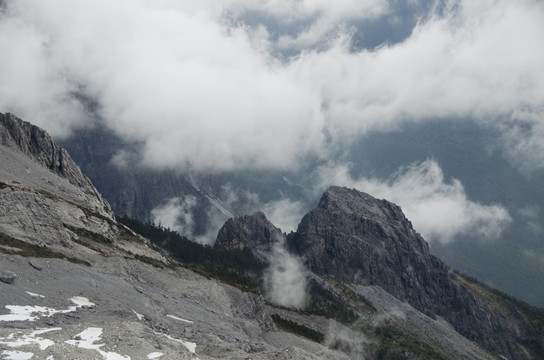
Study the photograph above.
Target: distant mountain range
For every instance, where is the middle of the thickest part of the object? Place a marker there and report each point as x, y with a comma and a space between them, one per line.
355, 280
512, 262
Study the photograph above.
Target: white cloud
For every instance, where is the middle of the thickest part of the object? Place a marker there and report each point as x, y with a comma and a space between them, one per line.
199, 88
284, 213
285, 279
29, 88
530, 214
439, 210
176, 214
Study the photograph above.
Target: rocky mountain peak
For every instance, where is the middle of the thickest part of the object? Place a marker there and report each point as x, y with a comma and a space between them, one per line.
350, 203
36, 144
254, 232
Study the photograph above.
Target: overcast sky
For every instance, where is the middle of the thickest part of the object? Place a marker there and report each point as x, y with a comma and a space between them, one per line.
237, 84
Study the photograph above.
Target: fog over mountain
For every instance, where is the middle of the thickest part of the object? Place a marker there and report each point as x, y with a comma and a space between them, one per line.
214, 85
435, 105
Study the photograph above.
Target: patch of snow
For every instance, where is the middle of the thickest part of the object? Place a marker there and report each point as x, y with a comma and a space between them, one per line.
180, 319
16, 355
88, 338
31, 313
81, 301
139, 316
154, 355
35, 295
17, 341
27, 313
191, 346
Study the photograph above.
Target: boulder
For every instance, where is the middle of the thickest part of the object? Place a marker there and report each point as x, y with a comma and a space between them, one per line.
7, 277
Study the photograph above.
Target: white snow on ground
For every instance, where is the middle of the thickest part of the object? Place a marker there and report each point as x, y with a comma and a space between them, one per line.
31, 313
35, 295
191, 346
139, 316
180, 319
88, 338
16, 355
81, 301
154, 355
27, 313
19, 339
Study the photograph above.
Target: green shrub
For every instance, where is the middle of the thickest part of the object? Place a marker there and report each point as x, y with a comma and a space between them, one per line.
32, 250
239, 268
293, 327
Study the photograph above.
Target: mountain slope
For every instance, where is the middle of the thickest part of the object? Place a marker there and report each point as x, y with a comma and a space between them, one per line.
75, 283
352, 238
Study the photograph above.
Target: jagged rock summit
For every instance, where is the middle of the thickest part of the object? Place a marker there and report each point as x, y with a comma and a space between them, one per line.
254, 232
354, 238
38, 145
351, 236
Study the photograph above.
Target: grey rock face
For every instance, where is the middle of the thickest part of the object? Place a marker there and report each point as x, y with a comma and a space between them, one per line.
254, 232
353, 237
37, 145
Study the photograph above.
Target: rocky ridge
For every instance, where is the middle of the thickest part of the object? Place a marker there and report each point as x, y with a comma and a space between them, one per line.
254, 232
36, 144
353, 238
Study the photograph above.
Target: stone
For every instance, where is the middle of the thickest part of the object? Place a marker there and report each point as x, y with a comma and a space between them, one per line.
36, 264
7, 277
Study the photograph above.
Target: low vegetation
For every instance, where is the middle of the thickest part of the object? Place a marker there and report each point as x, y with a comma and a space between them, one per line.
504, 301
293, 327
325, 303
392, 341
89, 235
10, 245
235, 267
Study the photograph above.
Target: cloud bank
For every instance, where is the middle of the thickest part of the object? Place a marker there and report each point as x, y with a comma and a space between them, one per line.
438, 209
176, 214
241, 84
285, 279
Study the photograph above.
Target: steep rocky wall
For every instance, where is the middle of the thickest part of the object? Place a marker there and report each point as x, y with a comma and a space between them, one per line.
353, 237
36, 144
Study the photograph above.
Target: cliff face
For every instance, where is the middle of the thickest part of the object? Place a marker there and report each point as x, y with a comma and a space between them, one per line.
356, 239
39, 146
42, 191
254, 232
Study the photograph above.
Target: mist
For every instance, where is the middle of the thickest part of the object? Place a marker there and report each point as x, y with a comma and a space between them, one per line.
209, 86
285, 279
178, 213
